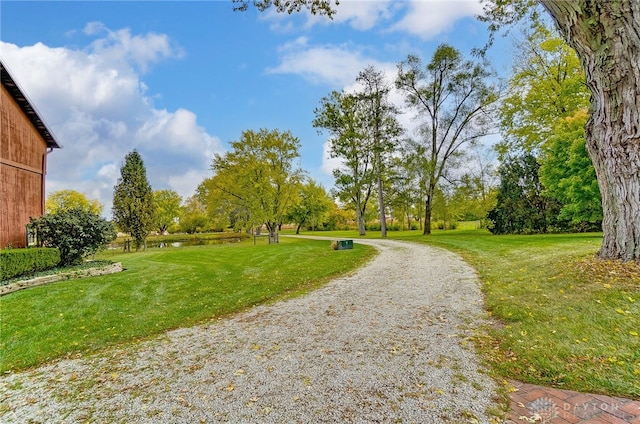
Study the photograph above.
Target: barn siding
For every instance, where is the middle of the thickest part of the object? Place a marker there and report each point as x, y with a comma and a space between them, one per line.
22, 168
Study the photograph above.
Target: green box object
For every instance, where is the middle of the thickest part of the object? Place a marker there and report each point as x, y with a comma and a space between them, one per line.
345, 244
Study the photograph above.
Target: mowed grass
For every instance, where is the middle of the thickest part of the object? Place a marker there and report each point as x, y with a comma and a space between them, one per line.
564, 318
160, 289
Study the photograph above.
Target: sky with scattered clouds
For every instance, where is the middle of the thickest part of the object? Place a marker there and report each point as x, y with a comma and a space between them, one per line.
179, 81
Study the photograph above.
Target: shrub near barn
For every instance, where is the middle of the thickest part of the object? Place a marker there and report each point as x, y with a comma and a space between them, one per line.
75, 232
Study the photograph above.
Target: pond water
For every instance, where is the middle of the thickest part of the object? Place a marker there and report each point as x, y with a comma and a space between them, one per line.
182, 243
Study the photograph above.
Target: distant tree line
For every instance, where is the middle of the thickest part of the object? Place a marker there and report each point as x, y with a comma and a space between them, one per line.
430, 177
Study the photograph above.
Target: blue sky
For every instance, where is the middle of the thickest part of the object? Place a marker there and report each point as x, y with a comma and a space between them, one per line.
178, 81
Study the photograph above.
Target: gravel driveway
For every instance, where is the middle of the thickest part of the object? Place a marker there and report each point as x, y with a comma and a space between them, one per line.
389, 343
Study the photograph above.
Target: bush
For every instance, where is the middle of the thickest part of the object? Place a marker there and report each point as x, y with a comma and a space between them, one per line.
75, 232
15, 262
374, 226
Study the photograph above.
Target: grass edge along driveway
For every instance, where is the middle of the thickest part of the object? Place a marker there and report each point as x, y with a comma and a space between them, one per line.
159, 290
563, 318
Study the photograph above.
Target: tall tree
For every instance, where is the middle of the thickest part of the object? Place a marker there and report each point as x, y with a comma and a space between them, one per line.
568, 174
547, 85
340, 114
381, 128
167, 208
258, 176
545, 113
64, 200
606, 37
403, 190
452, 98
133, 205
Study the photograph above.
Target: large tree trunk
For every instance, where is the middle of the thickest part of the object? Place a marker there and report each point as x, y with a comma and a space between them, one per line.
606, 36
273, 233
361, 227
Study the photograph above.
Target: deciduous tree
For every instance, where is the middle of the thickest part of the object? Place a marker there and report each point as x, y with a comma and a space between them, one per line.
258, 176
452, 98
312, 205
193, 216
606, 37
340, 115
545, 113
167, 208
547, 85
522, 206
64, 200
381, 128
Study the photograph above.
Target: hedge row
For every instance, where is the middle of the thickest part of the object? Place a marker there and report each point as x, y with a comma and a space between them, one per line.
15, 262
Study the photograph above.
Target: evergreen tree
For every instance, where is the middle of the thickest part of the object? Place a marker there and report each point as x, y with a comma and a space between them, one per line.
133, 205
522, 207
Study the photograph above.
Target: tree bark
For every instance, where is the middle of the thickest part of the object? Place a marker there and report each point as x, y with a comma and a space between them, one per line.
383, 217
428, 208
606, 36
273, 233
360, 218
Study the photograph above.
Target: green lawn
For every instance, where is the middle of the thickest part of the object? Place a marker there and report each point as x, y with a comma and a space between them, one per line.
565, 319
160, 289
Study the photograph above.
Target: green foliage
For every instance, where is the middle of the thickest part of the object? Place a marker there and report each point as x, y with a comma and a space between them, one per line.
315, 7
311, 207
340, 115
569, 177
193, 216
522, 207
337, 218
379, 124
75, 233
545, 113
167, 208
71, 199
133, 205
547, 86
363, 132
16, 262
257, 181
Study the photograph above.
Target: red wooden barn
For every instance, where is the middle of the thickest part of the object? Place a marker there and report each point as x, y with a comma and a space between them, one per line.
25, 142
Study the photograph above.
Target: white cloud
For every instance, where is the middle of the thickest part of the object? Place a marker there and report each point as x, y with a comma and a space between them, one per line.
361, 15
423, 18
429, 18
99, 110
187, 182
332, 65
120, 46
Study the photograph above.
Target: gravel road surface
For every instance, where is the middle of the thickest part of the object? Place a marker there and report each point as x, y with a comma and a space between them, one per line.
388, 344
